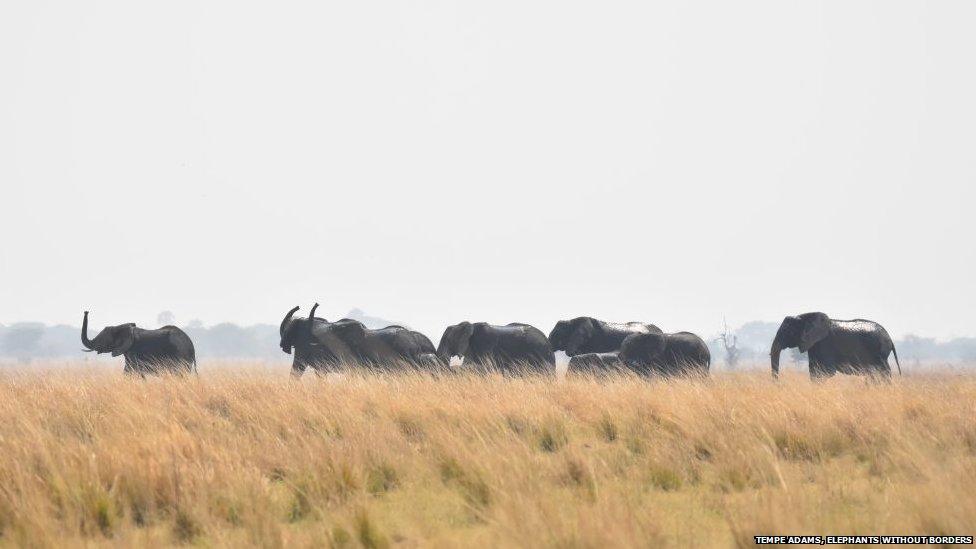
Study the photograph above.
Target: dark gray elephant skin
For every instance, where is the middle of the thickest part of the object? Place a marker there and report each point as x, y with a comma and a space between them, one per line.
595, 363
858, 347
164, 350
513, 348
678, 354
326, 346
588, 335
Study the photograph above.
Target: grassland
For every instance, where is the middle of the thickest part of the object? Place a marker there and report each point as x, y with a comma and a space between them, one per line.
241, 457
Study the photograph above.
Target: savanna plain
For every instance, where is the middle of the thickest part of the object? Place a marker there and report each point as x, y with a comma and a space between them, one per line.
243, 455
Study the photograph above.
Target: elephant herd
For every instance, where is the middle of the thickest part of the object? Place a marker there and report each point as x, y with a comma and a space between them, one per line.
593, 346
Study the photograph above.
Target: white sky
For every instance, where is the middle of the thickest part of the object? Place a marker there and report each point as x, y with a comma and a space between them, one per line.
433, 161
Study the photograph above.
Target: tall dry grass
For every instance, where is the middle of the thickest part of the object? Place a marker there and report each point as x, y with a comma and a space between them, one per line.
252, 458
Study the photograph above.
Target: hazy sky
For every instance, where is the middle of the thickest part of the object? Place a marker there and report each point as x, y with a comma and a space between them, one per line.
434, 161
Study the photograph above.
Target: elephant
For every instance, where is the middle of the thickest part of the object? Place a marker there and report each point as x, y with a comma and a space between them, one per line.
681, 353
326, 346
164, 350
588, 335
509, 348
846, 346
594, 363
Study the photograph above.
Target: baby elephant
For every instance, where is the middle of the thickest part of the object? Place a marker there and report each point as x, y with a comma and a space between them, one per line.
595, 363
683, 353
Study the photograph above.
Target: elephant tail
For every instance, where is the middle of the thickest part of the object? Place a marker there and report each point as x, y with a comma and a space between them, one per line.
193, 359
192, 363
894, 352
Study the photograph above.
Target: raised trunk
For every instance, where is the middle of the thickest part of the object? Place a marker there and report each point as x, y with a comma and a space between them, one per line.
285, 321
311, 317
774, 352
84, 334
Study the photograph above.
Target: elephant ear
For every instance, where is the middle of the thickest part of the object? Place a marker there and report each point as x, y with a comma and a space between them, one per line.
352, 333
816, 326
630, 348
462, 337
643, 346
128, 337
659, 342
653, 344
581, 333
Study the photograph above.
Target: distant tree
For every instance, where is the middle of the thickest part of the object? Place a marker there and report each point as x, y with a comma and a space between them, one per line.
20, 340
730, 343
228, 340
960, 348
917, 348
166, 318
755, 337
797, 357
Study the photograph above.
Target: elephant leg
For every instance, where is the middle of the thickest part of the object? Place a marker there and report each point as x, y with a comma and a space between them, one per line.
818, 372
133, 368
882, 370
323, 369
818, 375
698, 369
647, 369
546, 367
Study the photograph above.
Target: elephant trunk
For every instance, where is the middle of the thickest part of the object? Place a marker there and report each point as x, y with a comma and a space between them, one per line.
445, 350
444, 357
84, 334
568, 347
285, 321
311, 317
774, 352
442, 352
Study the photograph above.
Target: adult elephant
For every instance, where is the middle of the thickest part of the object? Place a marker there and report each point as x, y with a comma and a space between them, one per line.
164, 350
309, 343
512, 348
595, 363
588, 335
845, 346
682, 353
326, 346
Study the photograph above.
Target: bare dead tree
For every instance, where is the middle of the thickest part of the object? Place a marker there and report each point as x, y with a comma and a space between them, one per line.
730, 343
